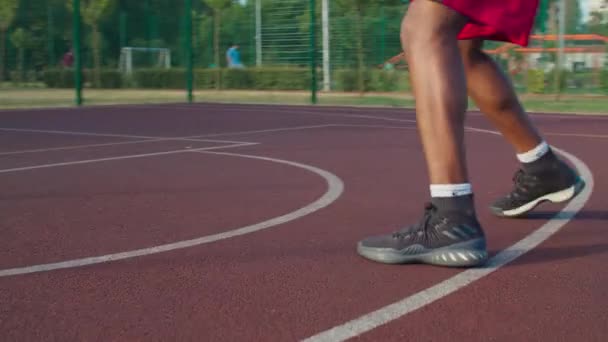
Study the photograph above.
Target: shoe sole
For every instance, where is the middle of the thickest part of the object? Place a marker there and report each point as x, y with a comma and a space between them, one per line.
464, 254
556, 197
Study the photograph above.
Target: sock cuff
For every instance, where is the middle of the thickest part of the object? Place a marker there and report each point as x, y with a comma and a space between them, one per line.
451, 190
534, 154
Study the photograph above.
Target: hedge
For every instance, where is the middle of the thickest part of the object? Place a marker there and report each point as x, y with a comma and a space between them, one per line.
64, 78
373, 80
255, 78
158, 79
535, 81
283, 78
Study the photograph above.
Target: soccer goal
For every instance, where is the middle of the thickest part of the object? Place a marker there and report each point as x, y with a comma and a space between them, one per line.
144, 57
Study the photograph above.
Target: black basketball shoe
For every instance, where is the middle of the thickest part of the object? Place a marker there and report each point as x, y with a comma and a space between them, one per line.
557, 182
442, 237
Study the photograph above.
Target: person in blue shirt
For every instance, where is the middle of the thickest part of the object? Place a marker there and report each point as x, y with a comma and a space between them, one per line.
233, 57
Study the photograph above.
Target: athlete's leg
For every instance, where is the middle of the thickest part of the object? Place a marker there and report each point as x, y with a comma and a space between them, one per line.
543, 176
449, 233
494, 95
429, 35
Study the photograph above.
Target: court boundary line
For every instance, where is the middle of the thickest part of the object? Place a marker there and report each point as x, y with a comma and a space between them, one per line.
79, 147
193, 138
401, 308
125, 157
116, 135
201, 137
202, 104
410, 110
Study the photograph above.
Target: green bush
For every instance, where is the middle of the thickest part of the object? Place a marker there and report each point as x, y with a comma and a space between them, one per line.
207, 78
64, 78
348, 80
265, 78
110, 79
236, 79
58, 78
159, 78
384, 80
280, 78
254, 78
535, 81
373, 80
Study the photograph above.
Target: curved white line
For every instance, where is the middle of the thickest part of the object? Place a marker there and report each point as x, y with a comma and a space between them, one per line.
418, 300
335, 188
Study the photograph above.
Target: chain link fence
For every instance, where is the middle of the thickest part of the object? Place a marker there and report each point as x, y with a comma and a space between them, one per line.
139, 51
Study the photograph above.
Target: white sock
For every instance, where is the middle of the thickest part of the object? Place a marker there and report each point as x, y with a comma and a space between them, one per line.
451, 190
534, 154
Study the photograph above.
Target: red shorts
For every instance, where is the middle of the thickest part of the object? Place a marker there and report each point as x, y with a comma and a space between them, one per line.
501, 20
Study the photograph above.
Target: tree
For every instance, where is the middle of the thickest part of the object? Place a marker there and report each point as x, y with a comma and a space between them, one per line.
358, 8
21, 39
8, 9
92, 11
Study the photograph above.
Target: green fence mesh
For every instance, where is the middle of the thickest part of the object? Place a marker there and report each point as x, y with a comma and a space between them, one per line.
137, 51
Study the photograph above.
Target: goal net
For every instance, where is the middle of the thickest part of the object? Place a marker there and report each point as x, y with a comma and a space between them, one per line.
142, 57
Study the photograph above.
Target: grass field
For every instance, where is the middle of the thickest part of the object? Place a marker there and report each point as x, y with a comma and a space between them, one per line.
37, 98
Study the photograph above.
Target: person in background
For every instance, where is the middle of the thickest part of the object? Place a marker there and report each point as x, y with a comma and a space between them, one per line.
233, 57
68, 59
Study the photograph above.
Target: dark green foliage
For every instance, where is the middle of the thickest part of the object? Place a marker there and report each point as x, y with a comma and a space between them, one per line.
64, 78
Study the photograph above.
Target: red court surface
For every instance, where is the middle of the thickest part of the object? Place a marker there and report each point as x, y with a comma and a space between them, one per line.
239, 223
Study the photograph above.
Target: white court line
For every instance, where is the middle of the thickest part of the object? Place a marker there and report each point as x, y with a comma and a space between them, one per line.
76, 147
133, 156
196, 138
546, 133
264, 108
286, 129
280, 129
296, 111
268, 106
399, 309
596, 136
335, 188
384, 315
111, 135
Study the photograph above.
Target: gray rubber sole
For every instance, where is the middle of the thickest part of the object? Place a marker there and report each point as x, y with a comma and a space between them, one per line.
556, 197
463, 254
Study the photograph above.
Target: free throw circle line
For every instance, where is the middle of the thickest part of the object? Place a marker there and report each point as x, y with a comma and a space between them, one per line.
335, 188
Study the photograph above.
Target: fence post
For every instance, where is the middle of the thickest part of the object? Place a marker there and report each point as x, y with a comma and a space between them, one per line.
560, 50
326, 47
189, 59
123, 29
77, 52
258, 33
51, 35
313, 52
382, 35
